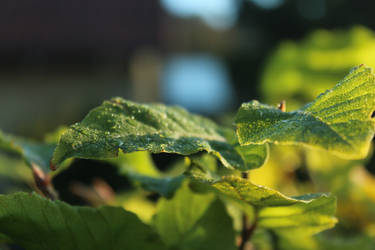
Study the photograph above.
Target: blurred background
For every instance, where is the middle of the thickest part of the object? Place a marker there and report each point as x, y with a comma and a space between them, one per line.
59, 59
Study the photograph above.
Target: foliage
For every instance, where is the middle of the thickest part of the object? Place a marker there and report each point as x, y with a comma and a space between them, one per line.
37, 223
339, 120
203, 196
119, 124
32, 152
304, 69
299, 71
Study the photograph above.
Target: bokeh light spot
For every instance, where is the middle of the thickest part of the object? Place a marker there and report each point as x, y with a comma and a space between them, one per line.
218, 14
199, 83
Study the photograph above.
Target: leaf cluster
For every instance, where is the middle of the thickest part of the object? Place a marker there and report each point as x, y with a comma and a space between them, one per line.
204, 196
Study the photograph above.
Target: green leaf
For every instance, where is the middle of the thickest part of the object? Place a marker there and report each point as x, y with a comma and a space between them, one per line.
194, 221
312, 212
36, 223
165, 186
205, 167
137, 162
177, 217
139, 167
120, 124
32, 152
213, 231
339, 120
253, 155
257, 195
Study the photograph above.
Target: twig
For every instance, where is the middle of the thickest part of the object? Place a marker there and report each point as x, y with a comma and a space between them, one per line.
247, 230
274, 240
43, 182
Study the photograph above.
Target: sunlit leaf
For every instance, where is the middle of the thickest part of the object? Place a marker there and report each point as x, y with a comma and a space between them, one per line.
281, 213
310, 214
138, 203
194, 221
176, 217
213, 231
339, 120
120, 124
137, 162
36, 223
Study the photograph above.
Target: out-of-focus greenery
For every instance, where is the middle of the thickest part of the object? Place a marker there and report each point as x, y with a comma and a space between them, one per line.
299, 71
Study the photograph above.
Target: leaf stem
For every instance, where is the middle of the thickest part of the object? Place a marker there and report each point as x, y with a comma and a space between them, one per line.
43, 182
247, 230
274, 240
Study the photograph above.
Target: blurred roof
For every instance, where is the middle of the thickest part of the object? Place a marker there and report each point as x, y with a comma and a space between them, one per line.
77, 24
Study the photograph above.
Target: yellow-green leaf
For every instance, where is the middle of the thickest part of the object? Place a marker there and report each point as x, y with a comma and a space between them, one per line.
339, 120
311, 213
194, 221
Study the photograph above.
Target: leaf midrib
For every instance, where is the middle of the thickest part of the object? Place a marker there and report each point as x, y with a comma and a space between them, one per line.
117, 136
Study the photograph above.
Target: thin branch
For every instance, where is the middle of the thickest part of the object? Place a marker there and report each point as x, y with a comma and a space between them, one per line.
247, 229
274, 240
43, 182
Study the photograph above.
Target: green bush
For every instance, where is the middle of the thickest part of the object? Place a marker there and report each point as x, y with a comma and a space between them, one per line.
210, 199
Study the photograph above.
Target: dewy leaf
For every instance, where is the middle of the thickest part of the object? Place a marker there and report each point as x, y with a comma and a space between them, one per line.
32, 152
36, 223
194, 221
313, 212
120, 124
339, 120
